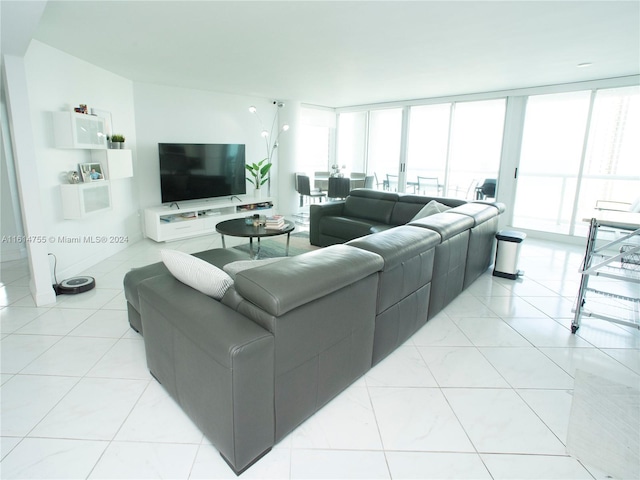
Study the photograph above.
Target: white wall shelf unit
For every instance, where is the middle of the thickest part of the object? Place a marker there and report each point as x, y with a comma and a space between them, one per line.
165, 224
83, 199
78, 130
117, 163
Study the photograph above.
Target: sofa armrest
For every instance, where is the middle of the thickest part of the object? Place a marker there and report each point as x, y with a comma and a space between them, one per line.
217, 364
316, 212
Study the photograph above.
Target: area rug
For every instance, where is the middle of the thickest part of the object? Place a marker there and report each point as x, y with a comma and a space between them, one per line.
604, 425
276, 246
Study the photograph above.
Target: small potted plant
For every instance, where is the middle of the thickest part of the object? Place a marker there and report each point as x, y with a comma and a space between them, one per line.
117, 141
259, 174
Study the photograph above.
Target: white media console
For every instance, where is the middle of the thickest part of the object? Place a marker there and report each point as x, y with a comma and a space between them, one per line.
166, 223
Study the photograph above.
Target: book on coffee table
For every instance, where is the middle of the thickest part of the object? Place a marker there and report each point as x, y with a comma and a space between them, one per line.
275, 222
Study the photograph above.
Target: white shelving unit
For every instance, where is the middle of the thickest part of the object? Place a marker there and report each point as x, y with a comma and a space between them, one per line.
78, 130
83, 199
164, 223
616, 300
117, 163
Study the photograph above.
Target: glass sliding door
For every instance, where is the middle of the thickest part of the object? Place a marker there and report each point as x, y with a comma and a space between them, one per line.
314, 148
427, 148
611, 171
316, 144
385, 130
565, 170
475, 147
352, 144
552, 145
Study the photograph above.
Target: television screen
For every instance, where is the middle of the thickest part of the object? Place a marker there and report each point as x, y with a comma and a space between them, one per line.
194, 171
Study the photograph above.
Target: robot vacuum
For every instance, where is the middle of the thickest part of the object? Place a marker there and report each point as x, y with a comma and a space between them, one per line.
75, 285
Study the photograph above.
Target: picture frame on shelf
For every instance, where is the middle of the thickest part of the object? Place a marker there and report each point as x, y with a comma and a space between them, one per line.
91, 172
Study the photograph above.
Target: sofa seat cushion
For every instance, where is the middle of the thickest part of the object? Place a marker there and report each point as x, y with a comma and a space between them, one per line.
347, 228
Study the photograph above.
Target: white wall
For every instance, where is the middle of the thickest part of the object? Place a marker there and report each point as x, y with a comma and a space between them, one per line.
58, 82
146, 114
177, 115
10, 221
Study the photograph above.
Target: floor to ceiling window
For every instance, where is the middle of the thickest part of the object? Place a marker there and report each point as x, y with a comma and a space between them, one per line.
566, 150
578, 148
316, 141
428, 147
476, 146
383, 159
451, 147
352, 147
549, 160
315, 148
611, 169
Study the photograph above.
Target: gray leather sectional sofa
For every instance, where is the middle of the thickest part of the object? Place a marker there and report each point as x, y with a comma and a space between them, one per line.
288, 336
363, 212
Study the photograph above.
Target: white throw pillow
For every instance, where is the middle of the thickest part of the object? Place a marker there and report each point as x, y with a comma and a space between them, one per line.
431, 208
234, 268
197, 273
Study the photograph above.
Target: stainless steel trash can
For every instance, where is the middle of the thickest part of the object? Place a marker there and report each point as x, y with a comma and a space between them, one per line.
507, 253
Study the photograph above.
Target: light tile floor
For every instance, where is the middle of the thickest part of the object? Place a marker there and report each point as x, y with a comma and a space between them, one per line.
484, 390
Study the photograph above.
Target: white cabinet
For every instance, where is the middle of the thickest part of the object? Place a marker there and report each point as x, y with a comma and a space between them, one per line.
164, 223
77, 130
83, 199
117, 163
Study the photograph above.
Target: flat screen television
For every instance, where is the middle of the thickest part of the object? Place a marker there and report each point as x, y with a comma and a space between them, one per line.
195, 171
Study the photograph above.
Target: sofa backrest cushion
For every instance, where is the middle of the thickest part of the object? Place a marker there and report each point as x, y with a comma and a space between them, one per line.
480, 212
408, 206
398, 244
294, 281
431, 208
233, 268
370, 205
446, 224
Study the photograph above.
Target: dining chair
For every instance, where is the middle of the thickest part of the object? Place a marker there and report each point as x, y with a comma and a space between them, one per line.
303, 187
339, 187
320, 181
357, 179
487, 189
368, 181
392, 183
430, 184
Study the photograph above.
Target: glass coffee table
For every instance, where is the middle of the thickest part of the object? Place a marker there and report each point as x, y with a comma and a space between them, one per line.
238, 228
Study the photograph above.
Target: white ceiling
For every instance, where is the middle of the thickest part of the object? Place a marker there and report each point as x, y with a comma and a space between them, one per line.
339, 53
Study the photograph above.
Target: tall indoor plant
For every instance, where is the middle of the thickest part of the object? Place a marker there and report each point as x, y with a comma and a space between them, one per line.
259, 174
